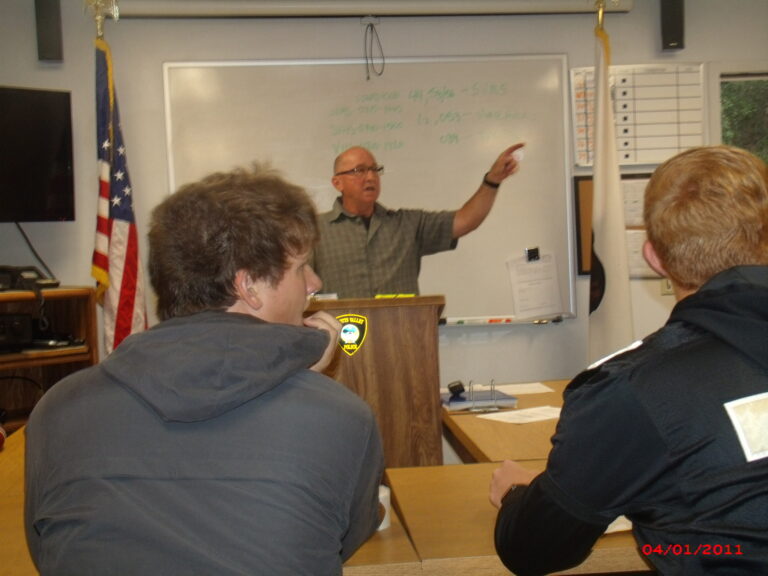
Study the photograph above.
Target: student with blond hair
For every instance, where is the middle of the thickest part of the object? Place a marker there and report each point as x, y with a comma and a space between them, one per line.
671, 433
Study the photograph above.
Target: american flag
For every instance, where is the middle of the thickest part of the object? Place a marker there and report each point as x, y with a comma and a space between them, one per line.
116, 265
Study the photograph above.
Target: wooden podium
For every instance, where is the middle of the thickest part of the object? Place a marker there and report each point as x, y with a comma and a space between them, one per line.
395, 369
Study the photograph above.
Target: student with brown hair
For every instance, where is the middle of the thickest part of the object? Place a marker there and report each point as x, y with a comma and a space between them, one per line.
211, 443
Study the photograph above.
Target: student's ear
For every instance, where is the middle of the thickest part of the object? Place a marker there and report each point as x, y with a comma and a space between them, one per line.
649, 253
246, 290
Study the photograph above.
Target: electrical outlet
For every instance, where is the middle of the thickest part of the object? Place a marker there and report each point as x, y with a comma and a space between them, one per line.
666, 287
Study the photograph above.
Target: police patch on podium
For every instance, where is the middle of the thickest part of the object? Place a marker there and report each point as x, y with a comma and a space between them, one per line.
353, 330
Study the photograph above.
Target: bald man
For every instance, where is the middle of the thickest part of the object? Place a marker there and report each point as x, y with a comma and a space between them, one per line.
366, 249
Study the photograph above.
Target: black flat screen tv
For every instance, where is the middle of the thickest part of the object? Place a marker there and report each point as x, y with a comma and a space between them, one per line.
36, 168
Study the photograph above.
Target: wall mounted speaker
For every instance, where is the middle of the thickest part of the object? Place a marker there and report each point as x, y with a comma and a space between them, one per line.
672, 24
48, 20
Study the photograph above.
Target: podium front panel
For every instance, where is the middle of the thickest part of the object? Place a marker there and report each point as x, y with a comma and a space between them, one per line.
395, 369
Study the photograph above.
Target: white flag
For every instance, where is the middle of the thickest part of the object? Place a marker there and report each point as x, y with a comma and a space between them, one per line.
610, 324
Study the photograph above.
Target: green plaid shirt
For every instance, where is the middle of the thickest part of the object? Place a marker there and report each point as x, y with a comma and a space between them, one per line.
355, 261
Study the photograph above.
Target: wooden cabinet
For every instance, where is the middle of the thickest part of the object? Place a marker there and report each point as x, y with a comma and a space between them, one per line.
26, 374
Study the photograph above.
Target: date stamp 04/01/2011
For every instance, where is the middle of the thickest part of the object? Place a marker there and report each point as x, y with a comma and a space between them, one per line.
688, 550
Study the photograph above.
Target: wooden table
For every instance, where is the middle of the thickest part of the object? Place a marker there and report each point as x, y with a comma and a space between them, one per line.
388, 552
14, 555
477, 439
446, 511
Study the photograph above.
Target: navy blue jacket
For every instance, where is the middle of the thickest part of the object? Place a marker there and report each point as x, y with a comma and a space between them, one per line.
671, 434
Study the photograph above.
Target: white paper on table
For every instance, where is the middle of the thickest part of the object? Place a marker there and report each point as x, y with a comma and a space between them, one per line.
525, 415
524, 388
621, 524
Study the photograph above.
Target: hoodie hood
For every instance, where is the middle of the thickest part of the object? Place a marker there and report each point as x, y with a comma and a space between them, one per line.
733, 306
198, 367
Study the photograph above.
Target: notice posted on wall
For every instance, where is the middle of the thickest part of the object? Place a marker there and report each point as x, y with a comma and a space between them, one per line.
535, 287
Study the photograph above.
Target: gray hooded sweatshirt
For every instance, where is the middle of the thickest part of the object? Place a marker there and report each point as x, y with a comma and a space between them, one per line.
202, 446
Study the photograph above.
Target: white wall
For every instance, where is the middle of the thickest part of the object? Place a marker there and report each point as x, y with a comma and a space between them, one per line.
140, 47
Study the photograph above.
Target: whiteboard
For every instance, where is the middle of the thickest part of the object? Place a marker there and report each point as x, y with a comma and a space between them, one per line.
436, 124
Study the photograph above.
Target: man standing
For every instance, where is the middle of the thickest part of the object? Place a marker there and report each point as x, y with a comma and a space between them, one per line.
366, 249
210, 444
672, 433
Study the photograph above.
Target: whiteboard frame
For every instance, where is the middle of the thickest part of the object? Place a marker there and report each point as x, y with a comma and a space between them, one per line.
570, 310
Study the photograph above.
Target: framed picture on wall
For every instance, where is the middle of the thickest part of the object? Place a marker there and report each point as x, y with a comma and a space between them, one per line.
633, 188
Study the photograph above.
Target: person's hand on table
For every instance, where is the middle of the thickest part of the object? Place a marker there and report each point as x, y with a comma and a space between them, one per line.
506, 476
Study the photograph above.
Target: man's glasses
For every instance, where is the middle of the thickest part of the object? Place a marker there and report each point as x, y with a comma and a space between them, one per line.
361, 171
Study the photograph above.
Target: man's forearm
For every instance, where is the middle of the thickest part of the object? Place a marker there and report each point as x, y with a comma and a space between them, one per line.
536, 536
474, 211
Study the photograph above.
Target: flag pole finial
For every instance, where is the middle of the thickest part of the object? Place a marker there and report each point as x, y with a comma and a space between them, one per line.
101, 9
600, 8
600, 5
